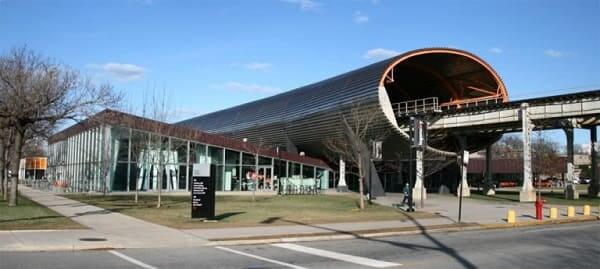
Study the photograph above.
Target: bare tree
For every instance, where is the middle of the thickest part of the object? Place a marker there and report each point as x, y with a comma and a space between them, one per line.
545, 155
36, 90
509, 147
354, 146
259, 147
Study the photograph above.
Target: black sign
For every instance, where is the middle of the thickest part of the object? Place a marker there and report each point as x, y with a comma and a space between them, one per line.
203, 196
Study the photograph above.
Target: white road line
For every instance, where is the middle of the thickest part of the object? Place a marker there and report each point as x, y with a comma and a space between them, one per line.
337, 256
132, 260
261, 258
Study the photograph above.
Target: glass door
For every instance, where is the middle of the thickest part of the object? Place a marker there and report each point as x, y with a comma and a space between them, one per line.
265, 179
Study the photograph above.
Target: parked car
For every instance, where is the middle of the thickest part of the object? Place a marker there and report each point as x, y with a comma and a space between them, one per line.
585, 180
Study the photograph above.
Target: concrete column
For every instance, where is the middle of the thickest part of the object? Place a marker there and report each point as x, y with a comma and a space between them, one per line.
419, 190
570, 190
488, 185
342, 187
463, 185
594, 187
527, 193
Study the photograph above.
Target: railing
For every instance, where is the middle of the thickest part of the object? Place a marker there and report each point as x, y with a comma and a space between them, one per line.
414, 107
472, 102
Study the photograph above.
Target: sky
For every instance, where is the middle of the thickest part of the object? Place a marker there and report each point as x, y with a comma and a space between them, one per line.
210, 55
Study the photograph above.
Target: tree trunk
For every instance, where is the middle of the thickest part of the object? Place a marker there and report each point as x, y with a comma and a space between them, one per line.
2, 167
361, 187
14, 166
4, 175
159, 185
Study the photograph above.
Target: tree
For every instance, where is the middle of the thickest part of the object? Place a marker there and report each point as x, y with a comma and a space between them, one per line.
256, 149
509, 147
37, 91
353, 148
545, 157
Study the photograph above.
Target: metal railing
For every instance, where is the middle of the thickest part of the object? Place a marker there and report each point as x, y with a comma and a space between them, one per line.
472, 103
415, 107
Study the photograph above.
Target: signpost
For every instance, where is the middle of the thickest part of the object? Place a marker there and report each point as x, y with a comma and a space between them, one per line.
203, 191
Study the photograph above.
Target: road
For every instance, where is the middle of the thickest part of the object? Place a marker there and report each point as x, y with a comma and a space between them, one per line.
559, 246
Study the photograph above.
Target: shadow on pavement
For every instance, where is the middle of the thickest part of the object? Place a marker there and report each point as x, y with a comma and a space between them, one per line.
227, 215
32, 218
439, 246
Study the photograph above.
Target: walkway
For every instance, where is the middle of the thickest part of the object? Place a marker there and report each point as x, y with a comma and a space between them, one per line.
119, 230
115, 230
475, 210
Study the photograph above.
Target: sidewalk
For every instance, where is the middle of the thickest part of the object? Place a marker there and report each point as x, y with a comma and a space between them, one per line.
115, 230
106, 228
477, 210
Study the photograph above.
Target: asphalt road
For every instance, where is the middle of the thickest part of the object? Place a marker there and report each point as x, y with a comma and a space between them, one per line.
562, 246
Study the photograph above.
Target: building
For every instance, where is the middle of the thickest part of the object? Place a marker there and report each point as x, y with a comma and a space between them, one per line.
32, 168
302, 119
459, 95
114, 151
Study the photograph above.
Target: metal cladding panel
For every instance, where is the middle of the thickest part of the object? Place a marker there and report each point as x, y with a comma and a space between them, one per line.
305, 115
308, 115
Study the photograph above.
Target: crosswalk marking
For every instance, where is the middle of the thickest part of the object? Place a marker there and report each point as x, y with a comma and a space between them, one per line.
260, 258
131, 260
338, 256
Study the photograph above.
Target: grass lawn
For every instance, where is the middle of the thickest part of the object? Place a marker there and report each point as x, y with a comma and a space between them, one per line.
556, 198
232, 211
29, 215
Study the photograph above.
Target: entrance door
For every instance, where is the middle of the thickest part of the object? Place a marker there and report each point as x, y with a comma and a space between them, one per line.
265, 180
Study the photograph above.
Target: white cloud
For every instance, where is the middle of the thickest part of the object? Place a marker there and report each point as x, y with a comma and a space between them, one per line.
258, 66
359, 17
553, 53
496, 50
380, 53
120, 71
244, 87
304, 4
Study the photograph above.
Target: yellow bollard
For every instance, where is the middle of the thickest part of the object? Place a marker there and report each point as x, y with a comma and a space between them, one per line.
586, 210
570, 211
553, 213
510, 217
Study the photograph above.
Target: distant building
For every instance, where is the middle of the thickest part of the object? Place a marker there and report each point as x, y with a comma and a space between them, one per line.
33, 168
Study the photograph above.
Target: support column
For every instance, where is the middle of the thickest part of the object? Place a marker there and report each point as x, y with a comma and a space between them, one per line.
571, 192
594, 187
488, 185
342, 187
419, 190
527, 193
463, 185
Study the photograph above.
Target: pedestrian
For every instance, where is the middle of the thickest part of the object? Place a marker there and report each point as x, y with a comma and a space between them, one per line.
405, 191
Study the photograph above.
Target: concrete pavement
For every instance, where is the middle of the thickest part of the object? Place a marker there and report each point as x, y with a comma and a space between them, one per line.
565, 246
477, 210
115, 230
108, 227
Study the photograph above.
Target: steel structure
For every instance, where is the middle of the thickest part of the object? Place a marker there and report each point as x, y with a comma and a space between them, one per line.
303, 118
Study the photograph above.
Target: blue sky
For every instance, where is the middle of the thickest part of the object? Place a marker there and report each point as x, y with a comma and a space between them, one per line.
211, 55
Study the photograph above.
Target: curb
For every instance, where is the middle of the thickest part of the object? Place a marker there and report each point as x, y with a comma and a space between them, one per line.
338, 236
357, 234
540, 223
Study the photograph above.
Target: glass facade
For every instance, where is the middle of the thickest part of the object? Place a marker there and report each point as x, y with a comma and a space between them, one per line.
123, 159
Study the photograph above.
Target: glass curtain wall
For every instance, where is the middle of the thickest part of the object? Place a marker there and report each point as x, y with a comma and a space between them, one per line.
124, 159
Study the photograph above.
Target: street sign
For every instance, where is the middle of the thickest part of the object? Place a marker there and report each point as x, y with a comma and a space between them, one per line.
420, 136
203, 191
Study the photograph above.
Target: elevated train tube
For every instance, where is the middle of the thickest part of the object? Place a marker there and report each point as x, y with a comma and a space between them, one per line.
306, 116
